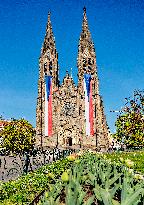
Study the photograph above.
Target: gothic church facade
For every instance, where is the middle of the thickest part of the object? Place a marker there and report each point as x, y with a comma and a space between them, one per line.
68, 100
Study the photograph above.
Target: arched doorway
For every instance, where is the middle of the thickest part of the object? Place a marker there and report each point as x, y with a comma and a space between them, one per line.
70, 141
68, 137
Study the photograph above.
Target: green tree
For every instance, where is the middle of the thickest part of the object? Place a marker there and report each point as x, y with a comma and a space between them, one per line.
18, 136
130, 122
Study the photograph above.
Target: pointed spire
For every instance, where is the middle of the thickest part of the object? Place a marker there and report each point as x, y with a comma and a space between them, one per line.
85, 40
85, 21
85, 27
67, 73
49, 55
49, 26
49, 40
86, 60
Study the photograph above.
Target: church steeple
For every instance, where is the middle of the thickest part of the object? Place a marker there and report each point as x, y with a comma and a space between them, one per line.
86, 63
86, 60
85, 27
48, 65
49, 55
49, 37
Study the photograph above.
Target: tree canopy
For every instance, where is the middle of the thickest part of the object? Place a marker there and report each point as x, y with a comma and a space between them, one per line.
130, 122
18, 136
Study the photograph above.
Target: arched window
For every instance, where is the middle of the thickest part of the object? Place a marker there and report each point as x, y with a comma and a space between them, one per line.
84, 62
50, 67
45, 68
89, 61
70, 141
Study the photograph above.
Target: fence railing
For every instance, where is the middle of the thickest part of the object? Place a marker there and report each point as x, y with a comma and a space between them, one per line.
11, 167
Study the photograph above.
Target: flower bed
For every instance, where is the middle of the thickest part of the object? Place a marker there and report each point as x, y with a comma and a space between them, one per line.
94, 180
82, 178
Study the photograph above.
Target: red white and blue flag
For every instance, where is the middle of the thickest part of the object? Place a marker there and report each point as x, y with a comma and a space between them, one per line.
48, 105
88, 104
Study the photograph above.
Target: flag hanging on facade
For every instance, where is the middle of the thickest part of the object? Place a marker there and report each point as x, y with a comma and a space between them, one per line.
88, 104
48, 105
91, 111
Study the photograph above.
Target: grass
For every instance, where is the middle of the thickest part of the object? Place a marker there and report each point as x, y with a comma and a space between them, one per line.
135, 156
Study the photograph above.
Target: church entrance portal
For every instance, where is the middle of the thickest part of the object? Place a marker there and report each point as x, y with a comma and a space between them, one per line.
70, 141
67, 140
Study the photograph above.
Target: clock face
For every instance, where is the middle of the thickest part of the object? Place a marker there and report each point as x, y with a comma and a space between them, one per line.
68, 109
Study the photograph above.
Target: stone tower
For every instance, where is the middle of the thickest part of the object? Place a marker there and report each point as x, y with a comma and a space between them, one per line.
48, 65
86, 63
68, 100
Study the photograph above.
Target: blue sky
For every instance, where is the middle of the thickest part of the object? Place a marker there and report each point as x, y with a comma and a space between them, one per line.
117, 28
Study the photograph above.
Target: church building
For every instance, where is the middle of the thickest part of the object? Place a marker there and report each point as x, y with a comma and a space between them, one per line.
69, 115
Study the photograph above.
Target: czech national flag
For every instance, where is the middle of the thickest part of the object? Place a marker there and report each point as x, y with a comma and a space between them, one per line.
48, 105
88, 104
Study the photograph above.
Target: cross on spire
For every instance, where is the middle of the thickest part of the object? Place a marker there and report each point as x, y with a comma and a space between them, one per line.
84, 8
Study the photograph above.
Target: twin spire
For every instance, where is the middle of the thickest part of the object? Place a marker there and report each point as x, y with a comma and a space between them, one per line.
49, 41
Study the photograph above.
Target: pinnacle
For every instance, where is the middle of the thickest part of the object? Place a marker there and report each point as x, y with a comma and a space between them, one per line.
49, 41
85, 27
85, 34
67, 73
85, 37
49, 26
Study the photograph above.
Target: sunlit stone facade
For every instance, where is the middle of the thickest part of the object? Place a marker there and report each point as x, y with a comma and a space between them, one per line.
68, 111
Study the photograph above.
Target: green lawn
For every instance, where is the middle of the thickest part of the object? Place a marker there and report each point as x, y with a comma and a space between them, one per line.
136, 156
